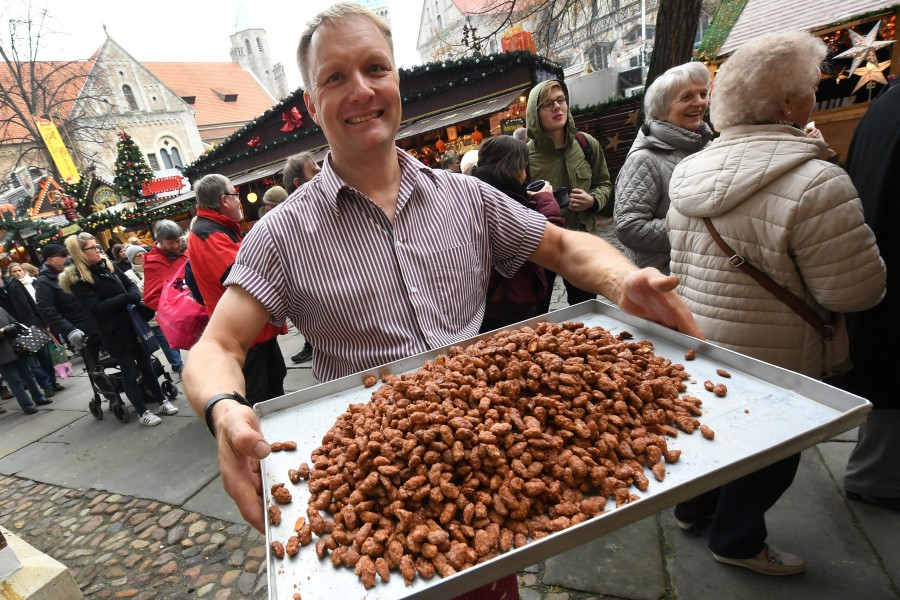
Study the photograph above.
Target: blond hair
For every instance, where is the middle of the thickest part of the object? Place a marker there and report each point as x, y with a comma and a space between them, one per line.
80, 269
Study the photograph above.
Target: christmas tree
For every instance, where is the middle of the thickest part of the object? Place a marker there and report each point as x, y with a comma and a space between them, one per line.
131, 169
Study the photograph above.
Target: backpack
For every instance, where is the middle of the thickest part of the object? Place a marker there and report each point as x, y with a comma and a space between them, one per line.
586, 148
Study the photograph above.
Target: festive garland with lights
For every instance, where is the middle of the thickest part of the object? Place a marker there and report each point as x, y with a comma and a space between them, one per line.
492, 65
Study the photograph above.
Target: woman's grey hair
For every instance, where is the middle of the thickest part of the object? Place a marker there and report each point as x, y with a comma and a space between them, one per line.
167, 230
666, 88
209, 190
330, 16
751, 86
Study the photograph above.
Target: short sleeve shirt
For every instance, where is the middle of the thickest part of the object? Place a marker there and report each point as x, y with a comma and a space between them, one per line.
366, 291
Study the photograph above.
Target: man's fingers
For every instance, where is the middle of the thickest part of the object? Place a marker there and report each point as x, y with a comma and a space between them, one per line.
249, 502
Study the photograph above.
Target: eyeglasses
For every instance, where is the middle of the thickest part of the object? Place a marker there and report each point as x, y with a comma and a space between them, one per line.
95, 247
235, 194
549, 104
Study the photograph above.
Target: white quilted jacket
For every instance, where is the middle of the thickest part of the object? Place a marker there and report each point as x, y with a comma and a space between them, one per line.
793, 216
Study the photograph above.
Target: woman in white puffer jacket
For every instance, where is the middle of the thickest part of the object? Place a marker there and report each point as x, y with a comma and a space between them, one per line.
773, 198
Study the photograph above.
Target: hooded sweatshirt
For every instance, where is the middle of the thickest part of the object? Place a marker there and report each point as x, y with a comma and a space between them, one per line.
567, 167
791, 214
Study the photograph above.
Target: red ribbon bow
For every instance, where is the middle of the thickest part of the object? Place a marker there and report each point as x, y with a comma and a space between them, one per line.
292, 119
254, 141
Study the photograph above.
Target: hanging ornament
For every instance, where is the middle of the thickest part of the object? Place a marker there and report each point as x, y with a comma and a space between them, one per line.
292, 119
870, 72
254, 141
864, 47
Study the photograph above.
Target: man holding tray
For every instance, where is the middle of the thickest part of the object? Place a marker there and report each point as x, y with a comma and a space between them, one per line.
379, 257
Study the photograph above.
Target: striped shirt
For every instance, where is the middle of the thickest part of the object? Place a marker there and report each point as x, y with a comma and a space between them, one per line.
366, 291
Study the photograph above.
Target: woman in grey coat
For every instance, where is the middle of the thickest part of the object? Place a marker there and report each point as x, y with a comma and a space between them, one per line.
674, 106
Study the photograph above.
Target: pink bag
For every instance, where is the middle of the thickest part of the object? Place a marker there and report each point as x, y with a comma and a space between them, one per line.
181, 318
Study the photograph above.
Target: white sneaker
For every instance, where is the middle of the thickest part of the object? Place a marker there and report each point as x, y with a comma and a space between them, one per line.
167, 408
149, 419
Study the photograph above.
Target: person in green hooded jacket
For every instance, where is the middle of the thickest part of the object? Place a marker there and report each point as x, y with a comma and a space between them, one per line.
556, 155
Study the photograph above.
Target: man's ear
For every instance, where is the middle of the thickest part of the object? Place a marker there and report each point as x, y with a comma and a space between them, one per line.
310, 107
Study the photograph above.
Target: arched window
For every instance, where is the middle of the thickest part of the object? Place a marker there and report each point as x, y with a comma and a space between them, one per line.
167, 161
129, 97
249, 49
259, 45
176, 157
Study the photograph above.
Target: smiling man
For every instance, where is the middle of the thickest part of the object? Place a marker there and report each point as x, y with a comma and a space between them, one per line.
379, 257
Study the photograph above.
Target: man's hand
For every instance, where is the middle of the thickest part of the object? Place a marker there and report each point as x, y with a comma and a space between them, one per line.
241, 447
580, 200
649, 294
77, 338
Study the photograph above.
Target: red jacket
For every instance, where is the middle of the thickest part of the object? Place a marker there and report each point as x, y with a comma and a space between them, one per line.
214, 243
158, 270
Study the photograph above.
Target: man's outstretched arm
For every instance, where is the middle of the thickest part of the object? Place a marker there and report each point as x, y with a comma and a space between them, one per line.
592, 264
214, 367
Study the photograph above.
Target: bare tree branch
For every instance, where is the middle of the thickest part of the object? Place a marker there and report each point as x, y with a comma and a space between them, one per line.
30, 87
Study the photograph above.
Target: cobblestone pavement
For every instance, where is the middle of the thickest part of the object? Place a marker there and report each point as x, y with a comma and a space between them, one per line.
122, 547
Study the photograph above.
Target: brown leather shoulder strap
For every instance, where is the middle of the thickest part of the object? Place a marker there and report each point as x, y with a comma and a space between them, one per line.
794, 303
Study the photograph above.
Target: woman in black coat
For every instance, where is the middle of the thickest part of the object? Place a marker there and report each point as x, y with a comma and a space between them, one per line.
17, 301
503, 164
105, 292
14, 367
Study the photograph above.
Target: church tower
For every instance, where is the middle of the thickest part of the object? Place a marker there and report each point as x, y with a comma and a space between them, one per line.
250, 49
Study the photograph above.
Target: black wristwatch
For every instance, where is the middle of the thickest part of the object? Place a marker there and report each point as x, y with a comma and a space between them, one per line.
207, 410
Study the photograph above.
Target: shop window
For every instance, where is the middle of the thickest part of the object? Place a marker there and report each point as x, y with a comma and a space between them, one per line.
247, 44
259, 45
167, 160
154, 162
129, 97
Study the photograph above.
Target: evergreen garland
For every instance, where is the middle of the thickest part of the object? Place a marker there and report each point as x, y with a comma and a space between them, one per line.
132, 169
79, 191
723, 21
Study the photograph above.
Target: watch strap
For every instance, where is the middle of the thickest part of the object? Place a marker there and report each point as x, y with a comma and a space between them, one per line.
208, 409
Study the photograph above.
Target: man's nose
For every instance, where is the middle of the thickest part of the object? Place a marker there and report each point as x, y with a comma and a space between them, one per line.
361, 86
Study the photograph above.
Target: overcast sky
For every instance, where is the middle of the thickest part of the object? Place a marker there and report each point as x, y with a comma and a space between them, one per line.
195, 30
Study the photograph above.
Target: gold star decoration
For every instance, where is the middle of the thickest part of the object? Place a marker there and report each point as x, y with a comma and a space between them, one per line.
612, 143
871, 72
864, 47
633, 116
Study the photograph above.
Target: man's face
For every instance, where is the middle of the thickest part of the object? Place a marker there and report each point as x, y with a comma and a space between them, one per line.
553, 113
230, 204
356, 88
57, 263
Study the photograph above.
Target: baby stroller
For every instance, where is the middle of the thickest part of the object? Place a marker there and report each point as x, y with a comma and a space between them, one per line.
106, 380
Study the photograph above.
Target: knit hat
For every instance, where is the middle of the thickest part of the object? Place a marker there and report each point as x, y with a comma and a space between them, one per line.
274, 195
51, 250
131, 251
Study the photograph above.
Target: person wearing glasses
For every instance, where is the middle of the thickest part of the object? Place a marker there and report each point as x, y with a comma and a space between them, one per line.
214, 241
105, 292
556, 154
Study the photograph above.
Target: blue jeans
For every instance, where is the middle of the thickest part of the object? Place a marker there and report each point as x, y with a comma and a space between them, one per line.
36, 362
18, 376
172, 355
130, 364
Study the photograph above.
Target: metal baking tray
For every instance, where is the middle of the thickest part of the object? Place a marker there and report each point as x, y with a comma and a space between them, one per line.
768, 414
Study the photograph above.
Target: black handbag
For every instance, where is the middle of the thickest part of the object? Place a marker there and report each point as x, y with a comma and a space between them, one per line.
145, 338
30, 340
